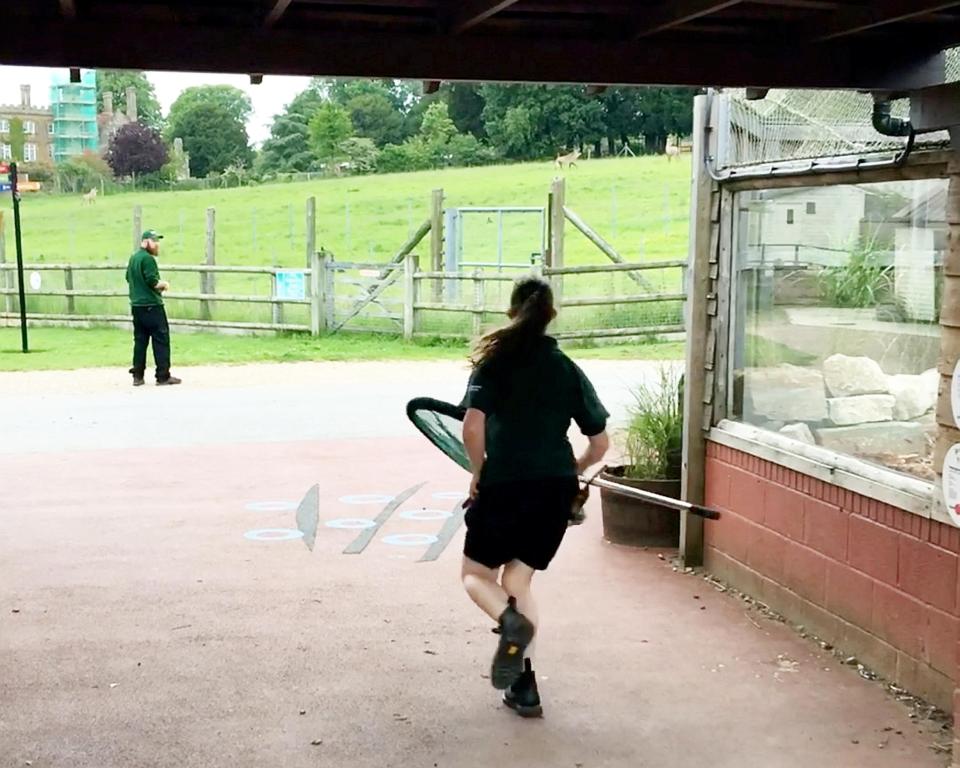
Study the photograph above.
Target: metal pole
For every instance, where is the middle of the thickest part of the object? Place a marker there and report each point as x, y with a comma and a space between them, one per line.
655, 498
16, 231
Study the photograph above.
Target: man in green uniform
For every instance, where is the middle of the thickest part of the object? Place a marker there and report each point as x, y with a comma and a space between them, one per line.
149, 316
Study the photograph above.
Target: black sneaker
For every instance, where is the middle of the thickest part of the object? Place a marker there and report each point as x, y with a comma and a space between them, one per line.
523, 697
168, 382
138, 381
516, 632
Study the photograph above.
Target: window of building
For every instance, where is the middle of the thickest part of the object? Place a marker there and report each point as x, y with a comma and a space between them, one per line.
4, 126
811, 209
789, 215
50, 150
51, 129
30, 153
29, 127
835, 336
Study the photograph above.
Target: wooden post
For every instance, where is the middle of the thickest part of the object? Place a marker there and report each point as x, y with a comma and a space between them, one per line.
478, 303
436, 240
137, 226
410, 266
947, 432
68, 285
558, 197
318, 318
694, 390
311, 229
207, 281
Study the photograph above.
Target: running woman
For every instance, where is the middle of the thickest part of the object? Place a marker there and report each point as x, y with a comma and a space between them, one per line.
522, 394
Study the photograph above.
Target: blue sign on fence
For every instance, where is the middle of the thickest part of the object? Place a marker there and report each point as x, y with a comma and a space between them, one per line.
291, 284
5, 186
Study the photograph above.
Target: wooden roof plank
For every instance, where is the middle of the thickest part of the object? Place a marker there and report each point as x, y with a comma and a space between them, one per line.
465, 14
857, 19
68, 8
277, 9
672, 14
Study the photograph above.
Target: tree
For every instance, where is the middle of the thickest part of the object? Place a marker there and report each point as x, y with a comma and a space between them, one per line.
361, 153
18, 139
214, 137
465, 103
82, 172
234, 102
288, 148
116, 81
437, 128
665, 112
329, 127
136, 149
375, 117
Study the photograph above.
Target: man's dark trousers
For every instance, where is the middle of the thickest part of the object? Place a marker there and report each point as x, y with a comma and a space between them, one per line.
150, 324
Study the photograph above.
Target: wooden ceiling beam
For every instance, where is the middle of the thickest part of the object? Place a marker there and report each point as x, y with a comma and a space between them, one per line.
277, 9
667, 15
854, 20
462, 15
349, 53
68, 8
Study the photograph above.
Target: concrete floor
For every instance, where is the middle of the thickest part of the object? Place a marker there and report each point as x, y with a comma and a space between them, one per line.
139, 627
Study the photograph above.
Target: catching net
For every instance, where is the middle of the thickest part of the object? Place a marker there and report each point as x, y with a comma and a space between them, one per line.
797, 125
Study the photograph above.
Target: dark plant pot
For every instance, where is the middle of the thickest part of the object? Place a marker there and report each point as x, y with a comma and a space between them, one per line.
637, 523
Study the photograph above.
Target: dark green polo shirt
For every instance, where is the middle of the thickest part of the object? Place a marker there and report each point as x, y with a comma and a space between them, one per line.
143, 274
529, 403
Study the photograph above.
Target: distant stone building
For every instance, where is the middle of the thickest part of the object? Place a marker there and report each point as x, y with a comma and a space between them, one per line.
109, 121
38, 129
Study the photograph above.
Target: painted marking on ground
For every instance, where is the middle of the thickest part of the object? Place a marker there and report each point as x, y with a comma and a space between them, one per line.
308, 516
273, 534
351, 523
450, 527
360, 543
425, 514
409, 539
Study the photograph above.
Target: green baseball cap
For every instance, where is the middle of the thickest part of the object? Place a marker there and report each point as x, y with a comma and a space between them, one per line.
151, 234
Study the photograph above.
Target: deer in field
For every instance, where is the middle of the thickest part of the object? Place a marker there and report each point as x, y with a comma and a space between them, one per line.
89, 198
570, 159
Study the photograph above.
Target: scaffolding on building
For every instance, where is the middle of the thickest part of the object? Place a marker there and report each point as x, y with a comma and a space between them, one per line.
74, 107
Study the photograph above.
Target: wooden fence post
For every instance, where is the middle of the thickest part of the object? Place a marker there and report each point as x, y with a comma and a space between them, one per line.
207, 281
137, 226
311, 229
558, 198
478, 302
68, 285
329, 292
318, 294
411, 263
436, 240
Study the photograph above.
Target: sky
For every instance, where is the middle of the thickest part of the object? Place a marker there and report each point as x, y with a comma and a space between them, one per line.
269, 98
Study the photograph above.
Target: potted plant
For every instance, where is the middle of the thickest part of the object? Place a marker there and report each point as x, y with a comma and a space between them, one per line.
653, 448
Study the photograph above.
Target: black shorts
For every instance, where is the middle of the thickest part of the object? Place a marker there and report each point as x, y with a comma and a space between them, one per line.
524, 520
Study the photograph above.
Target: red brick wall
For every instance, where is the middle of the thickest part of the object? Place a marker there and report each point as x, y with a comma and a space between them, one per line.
877, 581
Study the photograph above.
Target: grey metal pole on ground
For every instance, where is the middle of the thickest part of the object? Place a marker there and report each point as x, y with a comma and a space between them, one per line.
17, 237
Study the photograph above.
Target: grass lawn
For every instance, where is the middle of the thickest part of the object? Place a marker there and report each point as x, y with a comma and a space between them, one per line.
640, 205
67, 349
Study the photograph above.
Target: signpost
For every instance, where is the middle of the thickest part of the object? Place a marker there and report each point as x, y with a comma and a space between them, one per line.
8, 183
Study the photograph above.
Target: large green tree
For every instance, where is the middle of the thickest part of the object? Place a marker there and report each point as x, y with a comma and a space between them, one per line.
376, 118
288, 149
329, 127
234, 102
214, 137
116, 81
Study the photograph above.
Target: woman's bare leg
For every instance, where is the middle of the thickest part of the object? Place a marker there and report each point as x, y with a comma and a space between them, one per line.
481, 584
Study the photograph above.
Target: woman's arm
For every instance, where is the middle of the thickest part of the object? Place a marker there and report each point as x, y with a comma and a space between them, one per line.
597, 448
475, 441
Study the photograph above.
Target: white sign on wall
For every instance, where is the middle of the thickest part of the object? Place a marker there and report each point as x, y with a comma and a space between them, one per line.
955, 394
951, 483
